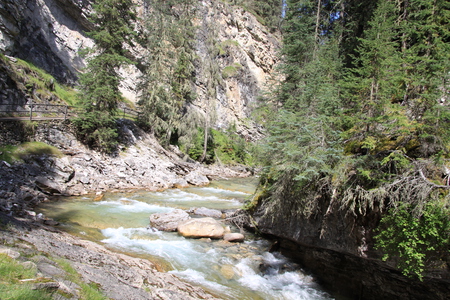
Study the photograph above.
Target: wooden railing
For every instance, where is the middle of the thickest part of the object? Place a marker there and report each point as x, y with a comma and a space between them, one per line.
38, 111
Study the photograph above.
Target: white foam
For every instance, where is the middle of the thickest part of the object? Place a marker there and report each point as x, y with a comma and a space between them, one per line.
130, 205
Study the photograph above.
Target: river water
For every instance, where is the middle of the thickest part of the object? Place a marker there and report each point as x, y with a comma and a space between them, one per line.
230, 271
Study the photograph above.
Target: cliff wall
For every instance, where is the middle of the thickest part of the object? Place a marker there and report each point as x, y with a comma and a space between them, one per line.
338, 246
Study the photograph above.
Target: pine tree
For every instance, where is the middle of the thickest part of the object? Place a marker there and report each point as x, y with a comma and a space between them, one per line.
167, 83
100, 94
303, 138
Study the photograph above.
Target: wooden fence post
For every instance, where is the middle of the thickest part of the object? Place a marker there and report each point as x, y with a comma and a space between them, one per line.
31, 111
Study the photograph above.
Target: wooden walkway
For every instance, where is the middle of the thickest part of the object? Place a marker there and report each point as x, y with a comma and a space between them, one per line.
45, 112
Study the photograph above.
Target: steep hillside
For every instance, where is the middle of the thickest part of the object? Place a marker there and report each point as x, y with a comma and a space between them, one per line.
51, 33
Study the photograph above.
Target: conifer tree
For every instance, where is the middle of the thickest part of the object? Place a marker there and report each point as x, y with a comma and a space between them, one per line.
100, 94
303, 137
167, 83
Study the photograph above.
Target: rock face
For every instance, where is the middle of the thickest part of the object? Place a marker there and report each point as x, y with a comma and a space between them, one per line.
338, 248
168, 221
50, 33
247, 57
201, 228
47, 33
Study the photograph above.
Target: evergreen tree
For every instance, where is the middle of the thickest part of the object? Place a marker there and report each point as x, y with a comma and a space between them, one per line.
303, 137
100, 94
167, 83
371, 131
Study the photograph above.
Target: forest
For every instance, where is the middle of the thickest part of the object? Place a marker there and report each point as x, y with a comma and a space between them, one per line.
361, 116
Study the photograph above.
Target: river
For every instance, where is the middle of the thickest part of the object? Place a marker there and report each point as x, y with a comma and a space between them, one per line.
227, 270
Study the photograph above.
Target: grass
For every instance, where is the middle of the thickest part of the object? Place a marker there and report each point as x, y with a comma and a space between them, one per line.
11, 272
45, 83
12, 154
89, 291
230, 71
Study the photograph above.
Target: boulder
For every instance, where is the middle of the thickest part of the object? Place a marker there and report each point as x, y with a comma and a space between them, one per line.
234, 237
195, 178
200, 228
168, 221
47, 186
207, 212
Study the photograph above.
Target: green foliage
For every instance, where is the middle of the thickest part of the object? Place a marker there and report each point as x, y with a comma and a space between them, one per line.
230, 71
230, 148
37, 82
167, 85
11, 272
12, 154
196, 150
97, 130
100, 93
360, 119
268, 12
413, 241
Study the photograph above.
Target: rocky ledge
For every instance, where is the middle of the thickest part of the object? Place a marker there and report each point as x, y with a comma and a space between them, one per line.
141, 163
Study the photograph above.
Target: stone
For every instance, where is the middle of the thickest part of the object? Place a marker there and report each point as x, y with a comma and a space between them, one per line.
47, 186
11, 253
207, 212
201, 228
180, 183
168, 221
227, 271
234, 237
195, 178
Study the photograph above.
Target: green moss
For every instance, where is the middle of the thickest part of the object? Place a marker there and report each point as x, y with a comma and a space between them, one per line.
33, 79
222, 48
12, 154
230, 71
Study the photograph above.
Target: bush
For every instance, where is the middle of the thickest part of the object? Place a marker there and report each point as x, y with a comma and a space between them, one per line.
415, 241
97, 130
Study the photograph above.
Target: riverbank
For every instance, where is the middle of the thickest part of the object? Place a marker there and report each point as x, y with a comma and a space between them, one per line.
140, 164
53, 254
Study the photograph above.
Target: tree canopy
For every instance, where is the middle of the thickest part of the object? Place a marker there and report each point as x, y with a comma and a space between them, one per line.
362, 115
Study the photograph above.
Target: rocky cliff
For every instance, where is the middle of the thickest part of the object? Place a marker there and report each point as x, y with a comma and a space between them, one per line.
338, 246
50, 34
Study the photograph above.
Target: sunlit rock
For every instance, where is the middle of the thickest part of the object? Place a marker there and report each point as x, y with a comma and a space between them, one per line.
203, 227
234, 237
168, 221
207, 212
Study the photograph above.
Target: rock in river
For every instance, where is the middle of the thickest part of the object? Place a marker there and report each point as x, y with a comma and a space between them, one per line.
202, 227
168, 221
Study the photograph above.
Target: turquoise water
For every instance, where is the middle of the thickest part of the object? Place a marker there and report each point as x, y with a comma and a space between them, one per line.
231, 271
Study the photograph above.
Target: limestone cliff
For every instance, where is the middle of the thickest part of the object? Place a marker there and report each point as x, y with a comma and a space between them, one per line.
50, 34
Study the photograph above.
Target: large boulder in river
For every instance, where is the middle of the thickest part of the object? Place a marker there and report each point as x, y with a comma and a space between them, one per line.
207, 212
201, 228
168, 221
